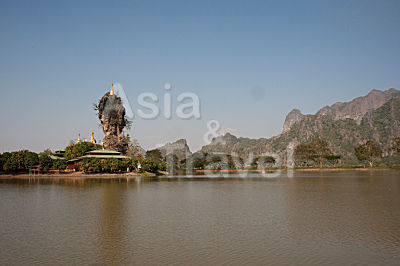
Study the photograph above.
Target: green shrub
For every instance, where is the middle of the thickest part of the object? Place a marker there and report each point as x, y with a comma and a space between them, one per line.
111, 165
59, 164
149, 166
76, 150
20, 161
45, 162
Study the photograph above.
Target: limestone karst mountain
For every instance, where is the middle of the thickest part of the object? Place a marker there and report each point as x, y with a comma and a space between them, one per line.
293, 117
356, 109
179, 148
375, 116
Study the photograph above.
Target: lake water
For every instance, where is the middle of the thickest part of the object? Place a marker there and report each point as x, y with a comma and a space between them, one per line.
314, 218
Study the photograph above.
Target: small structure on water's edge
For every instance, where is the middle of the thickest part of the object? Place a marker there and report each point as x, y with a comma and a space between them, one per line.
100, 154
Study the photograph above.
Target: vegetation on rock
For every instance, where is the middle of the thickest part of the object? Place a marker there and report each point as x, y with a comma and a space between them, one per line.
343, 126
263, 162
396, 145
367, 152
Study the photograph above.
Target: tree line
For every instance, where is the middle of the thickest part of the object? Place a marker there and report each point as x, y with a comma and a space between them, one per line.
317, 152
21, 161
314, 153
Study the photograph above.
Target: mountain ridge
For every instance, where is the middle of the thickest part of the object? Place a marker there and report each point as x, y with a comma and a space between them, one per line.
354, 109
343, 125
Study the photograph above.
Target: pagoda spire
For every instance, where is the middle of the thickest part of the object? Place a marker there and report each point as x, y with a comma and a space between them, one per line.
79, 138
92, 140
112, 89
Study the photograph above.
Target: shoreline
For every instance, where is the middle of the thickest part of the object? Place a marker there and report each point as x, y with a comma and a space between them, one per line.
72, 176
83, 176
298, 169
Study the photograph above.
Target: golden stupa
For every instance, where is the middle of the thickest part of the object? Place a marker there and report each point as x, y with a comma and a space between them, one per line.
79, 138
92, 140
112, 89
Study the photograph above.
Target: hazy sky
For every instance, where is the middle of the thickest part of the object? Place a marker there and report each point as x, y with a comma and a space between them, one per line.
250, 62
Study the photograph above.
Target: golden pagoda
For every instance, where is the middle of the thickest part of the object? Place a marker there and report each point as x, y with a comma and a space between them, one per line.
92, 140
79, 138
112, 89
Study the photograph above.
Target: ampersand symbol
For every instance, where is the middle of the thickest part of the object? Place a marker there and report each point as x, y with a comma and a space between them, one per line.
213, 126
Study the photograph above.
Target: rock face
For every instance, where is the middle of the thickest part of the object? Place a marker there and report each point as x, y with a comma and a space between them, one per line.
375, 117
111, 113
232, 145
293, 117
179, 148
355, 109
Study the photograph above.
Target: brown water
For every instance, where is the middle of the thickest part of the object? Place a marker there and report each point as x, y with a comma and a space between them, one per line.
315, 218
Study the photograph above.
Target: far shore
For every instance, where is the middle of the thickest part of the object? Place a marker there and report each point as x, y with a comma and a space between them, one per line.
134, 175
298, 169
75, 175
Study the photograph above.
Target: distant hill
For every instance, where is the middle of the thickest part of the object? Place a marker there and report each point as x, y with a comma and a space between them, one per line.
179, 148
375, 116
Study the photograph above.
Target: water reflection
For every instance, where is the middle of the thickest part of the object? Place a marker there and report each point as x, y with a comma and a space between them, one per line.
112, 237
342, 217
349, 214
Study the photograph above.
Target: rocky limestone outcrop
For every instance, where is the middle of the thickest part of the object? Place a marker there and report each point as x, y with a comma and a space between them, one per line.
375, 116
179, 148
355, 109
359, 107
111, 113
293, 117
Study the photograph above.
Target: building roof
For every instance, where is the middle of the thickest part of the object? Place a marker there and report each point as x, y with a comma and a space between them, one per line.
103, 156
56, 157
100, 154
110, 152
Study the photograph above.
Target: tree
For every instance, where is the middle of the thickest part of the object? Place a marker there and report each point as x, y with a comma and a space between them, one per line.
162, 166
93, 165
367, 152
139, 157
315, 151
59, 164
214, 161
20, 161
111, 165
149, 166
199, 163
263, 162
334, 159
304, 154
320, 149
73, 151
198, 160
45, 162
128, 164
3, 159
30, 159
155, 155
46, 152
396, 145
11, 165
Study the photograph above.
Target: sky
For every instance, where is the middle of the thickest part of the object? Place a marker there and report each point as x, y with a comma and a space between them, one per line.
249, 62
